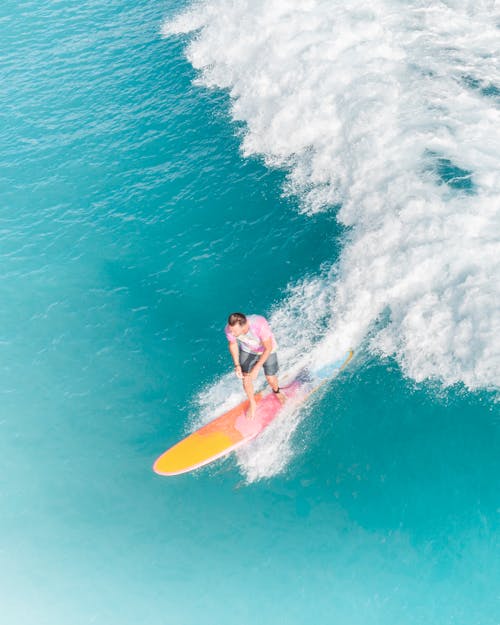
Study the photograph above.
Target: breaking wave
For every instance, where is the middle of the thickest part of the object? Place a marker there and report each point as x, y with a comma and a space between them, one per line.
389, 115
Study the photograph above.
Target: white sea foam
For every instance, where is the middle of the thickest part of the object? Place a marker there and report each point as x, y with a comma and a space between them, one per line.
388, 112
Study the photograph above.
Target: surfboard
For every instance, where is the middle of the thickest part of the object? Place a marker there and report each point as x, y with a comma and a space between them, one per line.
233, 429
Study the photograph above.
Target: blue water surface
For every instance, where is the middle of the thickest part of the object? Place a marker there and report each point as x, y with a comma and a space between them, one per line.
130, 226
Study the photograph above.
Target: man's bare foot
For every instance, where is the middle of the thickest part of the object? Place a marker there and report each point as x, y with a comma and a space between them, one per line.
251, 410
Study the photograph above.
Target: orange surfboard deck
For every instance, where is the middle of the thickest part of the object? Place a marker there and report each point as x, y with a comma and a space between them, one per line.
233, 428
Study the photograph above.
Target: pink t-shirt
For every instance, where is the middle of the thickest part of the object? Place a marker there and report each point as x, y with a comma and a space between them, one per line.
258, 331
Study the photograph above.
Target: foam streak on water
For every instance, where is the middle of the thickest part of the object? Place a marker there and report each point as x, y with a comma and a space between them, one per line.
389, 113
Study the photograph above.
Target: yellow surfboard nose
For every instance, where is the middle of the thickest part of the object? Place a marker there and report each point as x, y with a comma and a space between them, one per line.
192, 451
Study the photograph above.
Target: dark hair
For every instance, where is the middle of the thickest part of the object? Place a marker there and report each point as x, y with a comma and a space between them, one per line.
236, 318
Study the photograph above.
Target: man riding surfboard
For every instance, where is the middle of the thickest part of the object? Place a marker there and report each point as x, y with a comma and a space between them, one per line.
252, 347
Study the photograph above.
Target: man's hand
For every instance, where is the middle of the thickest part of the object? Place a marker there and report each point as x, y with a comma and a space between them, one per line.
239, 372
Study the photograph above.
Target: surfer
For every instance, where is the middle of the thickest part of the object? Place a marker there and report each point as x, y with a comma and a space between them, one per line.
252, 347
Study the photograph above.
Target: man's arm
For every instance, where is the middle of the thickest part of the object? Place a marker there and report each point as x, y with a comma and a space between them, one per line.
268, 348
235, 354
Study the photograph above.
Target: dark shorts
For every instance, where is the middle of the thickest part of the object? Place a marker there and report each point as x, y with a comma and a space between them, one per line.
248, 361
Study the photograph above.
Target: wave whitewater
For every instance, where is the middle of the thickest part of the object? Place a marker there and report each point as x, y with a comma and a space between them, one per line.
389, 115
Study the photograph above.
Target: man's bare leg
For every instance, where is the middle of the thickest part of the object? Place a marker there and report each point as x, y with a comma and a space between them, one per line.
248, 386
274, 384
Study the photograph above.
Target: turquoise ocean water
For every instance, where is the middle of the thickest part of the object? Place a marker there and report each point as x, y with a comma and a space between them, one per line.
132, 222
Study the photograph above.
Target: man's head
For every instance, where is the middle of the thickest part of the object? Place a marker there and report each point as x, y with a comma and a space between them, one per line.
237, 323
